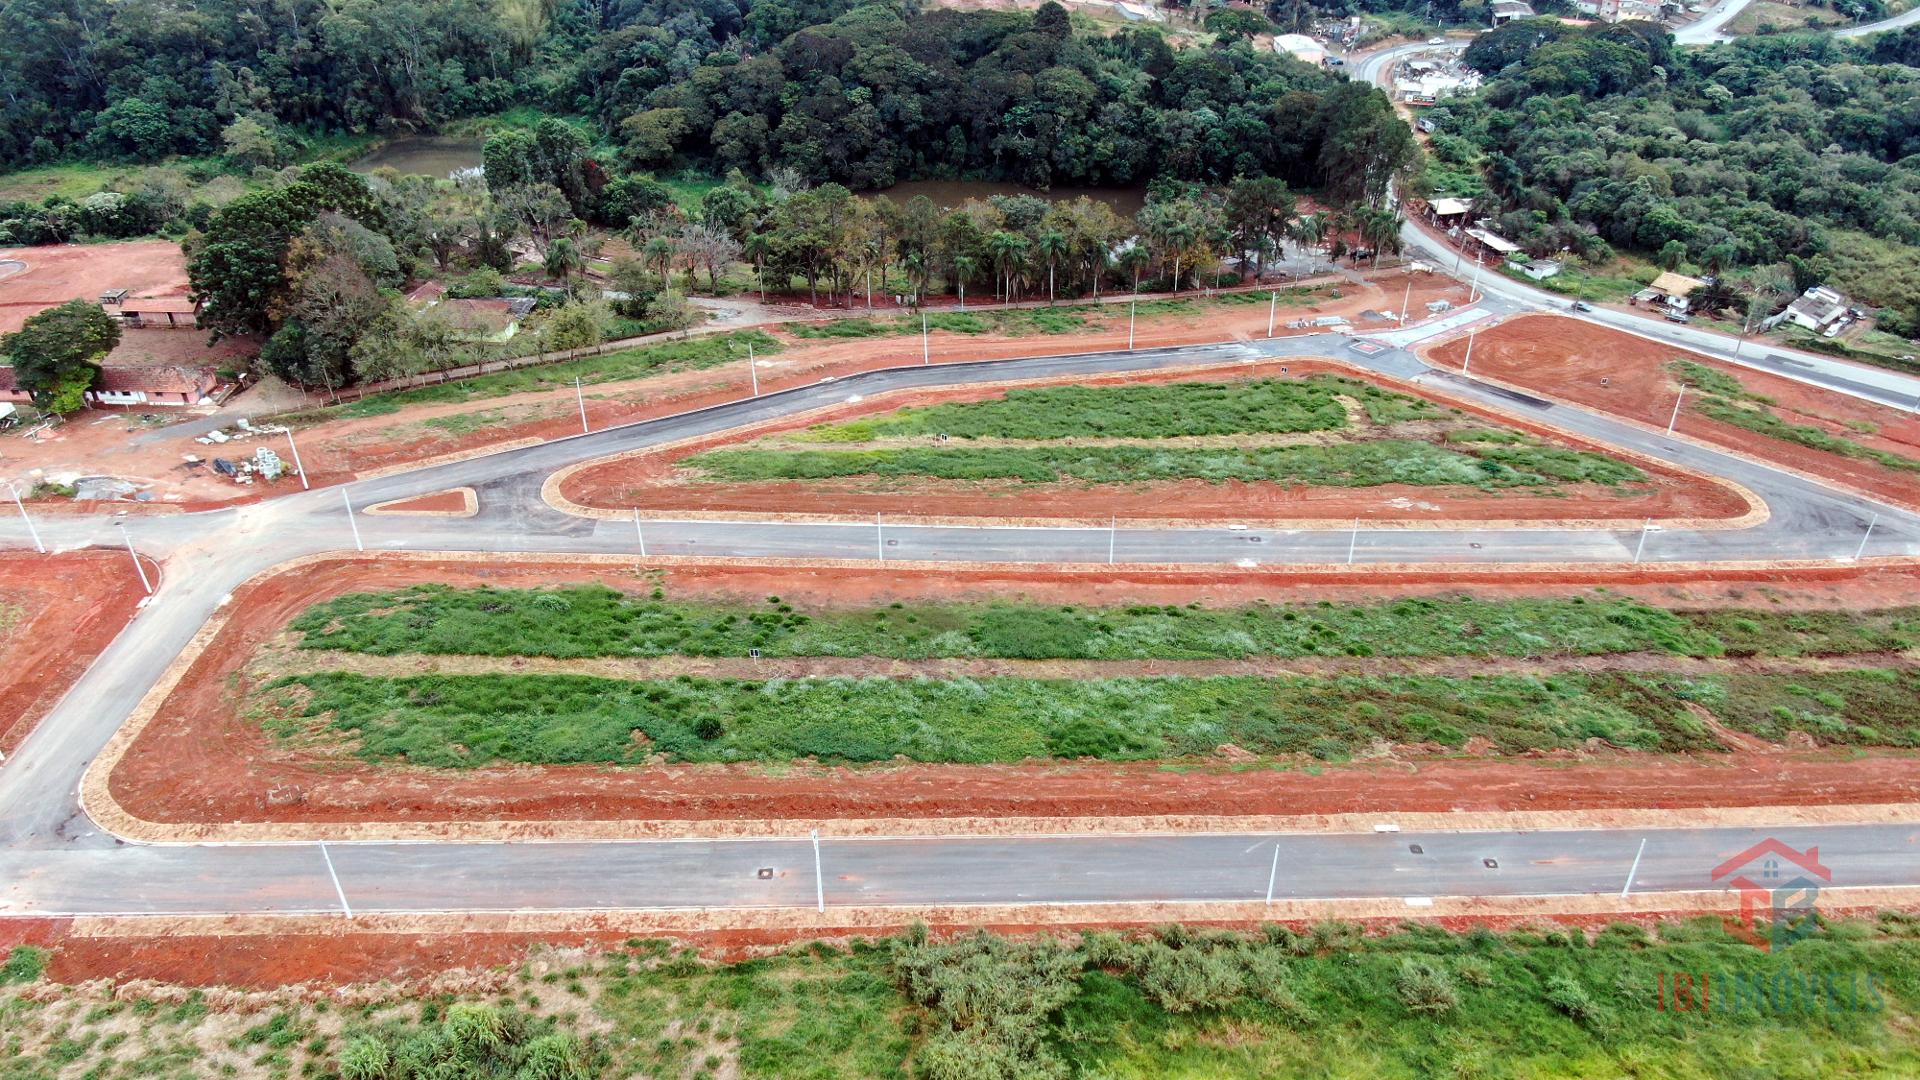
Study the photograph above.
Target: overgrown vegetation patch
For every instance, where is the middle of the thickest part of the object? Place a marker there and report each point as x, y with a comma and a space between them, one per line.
1726, 399
1327, 1001
595, 620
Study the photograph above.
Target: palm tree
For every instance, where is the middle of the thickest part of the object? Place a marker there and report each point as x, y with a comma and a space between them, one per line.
1007, 250
1309, 230
1097, 257
563, 258
1053, 247
1135, 260
659, 252
964, 267
915, 264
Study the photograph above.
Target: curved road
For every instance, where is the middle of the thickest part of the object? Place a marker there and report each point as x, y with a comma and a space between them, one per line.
55, 861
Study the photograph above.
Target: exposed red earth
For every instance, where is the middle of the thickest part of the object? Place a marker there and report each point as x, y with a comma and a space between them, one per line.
198, 762
659, 482
57, 612
1568, 359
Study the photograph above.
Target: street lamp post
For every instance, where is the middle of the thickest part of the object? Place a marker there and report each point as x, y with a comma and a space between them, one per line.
297, 467
1467, 365
138, 569
31, 531
581, 397
352, 524
1675, 418
926, 350
1273, 309
1130, 308
753, 369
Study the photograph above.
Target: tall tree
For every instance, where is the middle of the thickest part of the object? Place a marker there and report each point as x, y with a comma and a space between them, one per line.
56, 353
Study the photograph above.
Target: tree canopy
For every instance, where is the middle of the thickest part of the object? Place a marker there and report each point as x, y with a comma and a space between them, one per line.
56, 353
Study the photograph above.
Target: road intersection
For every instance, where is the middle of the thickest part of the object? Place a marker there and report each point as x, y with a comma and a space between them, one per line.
54, 860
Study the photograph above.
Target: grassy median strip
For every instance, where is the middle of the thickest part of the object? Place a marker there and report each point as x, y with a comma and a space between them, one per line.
1727, 399
595, 620
465, 720
1267, 406
1359, 464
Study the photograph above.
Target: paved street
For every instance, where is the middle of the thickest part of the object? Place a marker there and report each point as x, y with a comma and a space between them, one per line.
54, 860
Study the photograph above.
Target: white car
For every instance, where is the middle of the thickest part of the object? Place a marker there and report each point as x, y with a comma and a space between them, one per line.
1436, 41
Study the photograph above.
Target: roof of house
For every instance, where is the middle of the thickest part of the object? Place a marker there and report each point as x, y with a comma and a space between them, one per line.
1502, 7
1451, 207
164, 379
1494, 241
159, 305
490, 315
426, 292
1819, 304
1672, 284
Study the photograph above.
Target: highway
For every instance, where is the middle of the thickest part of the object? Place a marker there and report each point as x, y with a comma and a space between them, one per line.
55, 860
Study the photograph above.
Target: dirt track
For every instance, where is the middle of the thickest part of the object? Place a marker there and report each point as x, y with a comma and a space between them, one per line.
1568, 358
57, 612
57, 273
655, 481
197, 762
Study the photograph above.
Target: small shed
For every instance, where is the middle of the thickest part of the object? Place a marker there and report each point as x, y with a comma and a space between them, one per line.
161, 312
169, 385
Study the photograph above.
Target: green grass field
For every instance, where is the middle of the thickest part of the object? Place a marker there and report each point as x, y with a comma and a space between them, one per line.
595, 620
1725, 398
1324, 1003
455, 721
685, 355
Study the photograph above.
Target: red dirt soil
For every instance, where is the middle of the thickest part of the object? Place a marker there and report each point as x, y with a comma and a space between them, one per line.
1567, 358
58, 273
198, 762
657, 482
68, 607
340, 450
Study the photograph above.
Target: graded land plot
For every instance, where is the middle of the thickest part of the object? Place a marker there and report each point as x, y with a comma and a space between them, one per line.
57, 612
534, 402
1313, 443
341, 692
33, 279
1870, 447
1331, 999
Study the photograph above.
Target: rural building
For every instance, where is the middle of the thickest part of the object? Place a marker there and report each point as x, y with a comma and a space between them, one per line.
1668, 292
1819, 309
1487, 242
488, 319
1538, 269
1446, 211
1301, 47
1506, 11
171, 385
152, 312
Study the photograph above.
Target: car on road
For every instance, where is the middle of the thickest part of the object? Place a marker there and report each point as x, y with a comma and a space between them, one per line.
1436, 41
1579, 305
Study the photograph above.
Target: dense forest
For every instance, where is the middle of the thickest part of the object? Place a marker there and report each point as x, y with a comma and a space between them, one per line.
862, 96
1797, 153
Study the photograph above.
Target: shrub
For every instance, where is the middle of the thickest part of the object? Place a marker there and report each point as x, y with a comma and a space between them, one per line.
1425, 987
24, 964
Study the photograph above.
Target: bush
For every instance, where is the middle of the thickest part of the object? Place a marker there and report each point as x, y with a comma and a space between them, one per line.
1425, 987
24, 964
1185, 980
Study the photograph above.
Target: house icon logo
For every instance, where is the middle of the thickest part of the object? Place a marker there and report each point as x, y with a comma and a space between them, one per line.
1778, 887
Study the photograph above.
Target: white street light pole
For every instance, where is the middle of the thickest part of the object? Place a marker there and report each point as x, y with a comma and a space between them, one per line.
1641, 546
753, 370
1473, 290
139, 569
638, 533
1113, 527
1353, 541
345, 498
1746, 327
879, 538
1407, 299
31, 531
1467, 365
1130, 307
1273, 309
297, 467
926, 350
1675, 418
1862, 549
581, 397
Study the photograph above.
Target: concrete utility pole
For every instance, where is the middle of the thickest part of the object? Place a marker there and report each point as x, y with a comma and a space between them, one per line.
1407, 299
1473, 290
753, 370
1645, 527
926, 350
639, 533
1273, 309
1131, 304
1467, 365
1675, 418
879, 538
345, 498
297, 467
581, 397
139, 569
1353, 541
1113, 529
31, 531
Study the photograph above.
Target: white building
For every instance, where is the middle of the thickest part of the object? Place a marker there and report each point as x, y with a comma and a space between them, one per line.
1819, 309
1301, 47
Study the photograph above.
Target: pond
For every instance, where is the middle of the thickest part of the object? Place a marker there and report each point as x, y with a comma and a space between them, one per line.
423, 155
951, 193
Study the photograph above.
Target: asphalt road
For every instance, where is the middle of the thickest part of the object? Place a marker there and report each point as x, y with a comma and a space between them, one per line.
53, 859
